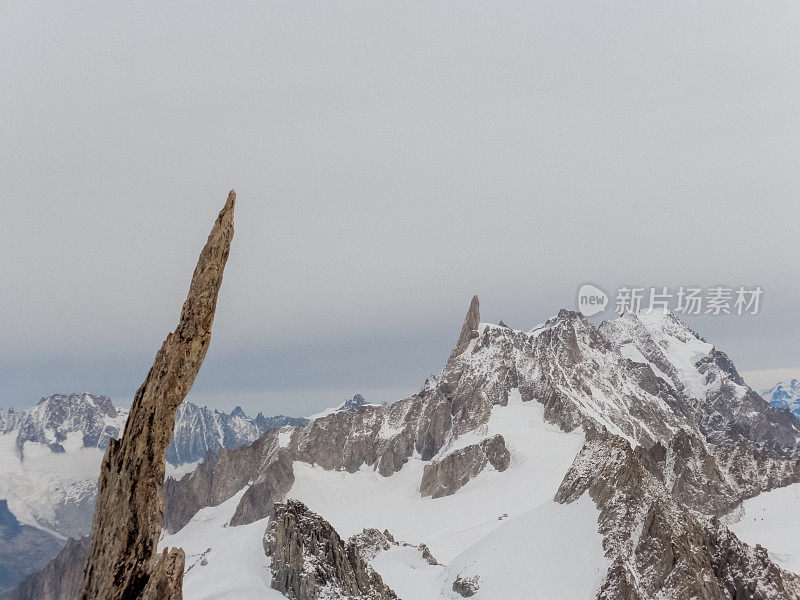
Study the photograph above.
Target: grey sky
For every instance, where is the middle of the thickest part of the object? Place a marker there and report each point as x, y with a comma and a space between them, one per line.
391, 159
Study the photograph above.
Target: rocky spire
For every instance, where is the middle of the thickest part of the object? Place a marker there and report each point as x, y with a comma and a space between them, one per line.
130, 504
309, 560
469, 329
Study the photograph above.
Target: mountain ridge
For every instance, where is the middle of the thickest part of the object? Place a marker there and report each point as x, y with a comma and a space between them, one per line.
637, 437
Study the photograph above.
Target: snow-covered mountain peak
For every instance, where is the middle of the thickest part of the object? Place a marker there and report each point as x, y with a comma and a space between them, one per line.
85, 420
785, 395
350, 404
664, 342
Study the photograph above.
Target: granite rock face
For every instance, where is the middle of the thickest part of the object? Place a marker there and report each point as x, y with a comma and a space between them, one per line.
657, 547
469, 330
309, 560
259, 500
447, 475
130, 505
61, 579
371, 542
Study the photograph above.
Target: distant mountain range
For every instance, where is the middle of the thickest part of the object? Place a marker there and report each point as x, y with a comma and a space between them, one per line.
785, 395
50, 459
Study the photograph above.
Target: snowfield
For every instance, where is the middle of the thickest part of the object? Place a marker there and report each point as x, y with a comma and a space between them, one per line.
772, 519
222, 562
551, 552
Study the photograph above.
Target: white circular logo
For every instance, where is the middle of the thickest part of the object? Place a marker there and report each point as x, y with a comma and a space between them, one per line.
591, 300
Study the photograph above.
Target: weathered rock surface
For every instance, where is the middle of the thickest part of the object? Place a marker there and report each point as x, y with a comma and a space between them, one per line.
445, 476
469, 330
259, 500
61, 579
466, 586
656, 546
130, 505
371, 542
309, 560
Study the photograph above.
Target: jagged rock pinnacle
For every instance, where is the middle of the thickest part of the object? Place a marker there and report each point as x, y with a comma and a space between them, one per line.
469, 329
130, 505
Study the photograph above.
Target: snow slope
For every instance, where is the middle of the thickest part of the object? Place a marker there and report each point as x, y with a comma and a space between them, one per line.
551, 552
235, 568
772, 519
540, 455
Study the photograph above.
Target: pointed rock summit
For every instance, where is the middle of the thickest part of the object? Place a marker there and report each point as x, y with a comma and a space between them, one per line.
129, 513
469, 330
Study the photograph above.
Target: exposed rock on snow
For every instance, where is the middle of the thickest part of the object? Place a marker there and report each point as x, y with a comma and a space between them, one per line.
658, 548
310, 560
466, 586
371, 542
259, 499
446, 475
712, 448
130, 504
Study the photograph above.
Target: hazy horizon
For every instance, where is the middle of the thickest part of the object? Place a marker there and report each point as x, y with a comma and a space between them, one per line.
390, 162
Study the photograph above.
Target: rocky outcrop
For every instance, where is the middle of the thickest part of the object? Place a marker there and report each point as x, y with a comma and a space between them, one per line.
447, 475
656, 546
130, 505
259, 500
371, 542
691, 474
469, 330
218, 478
466, 586
61, 579
309, 560
354, 403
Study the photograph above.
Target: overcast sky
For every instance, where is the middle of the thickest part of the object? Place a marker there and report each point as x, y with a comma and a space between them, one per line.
391, 160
